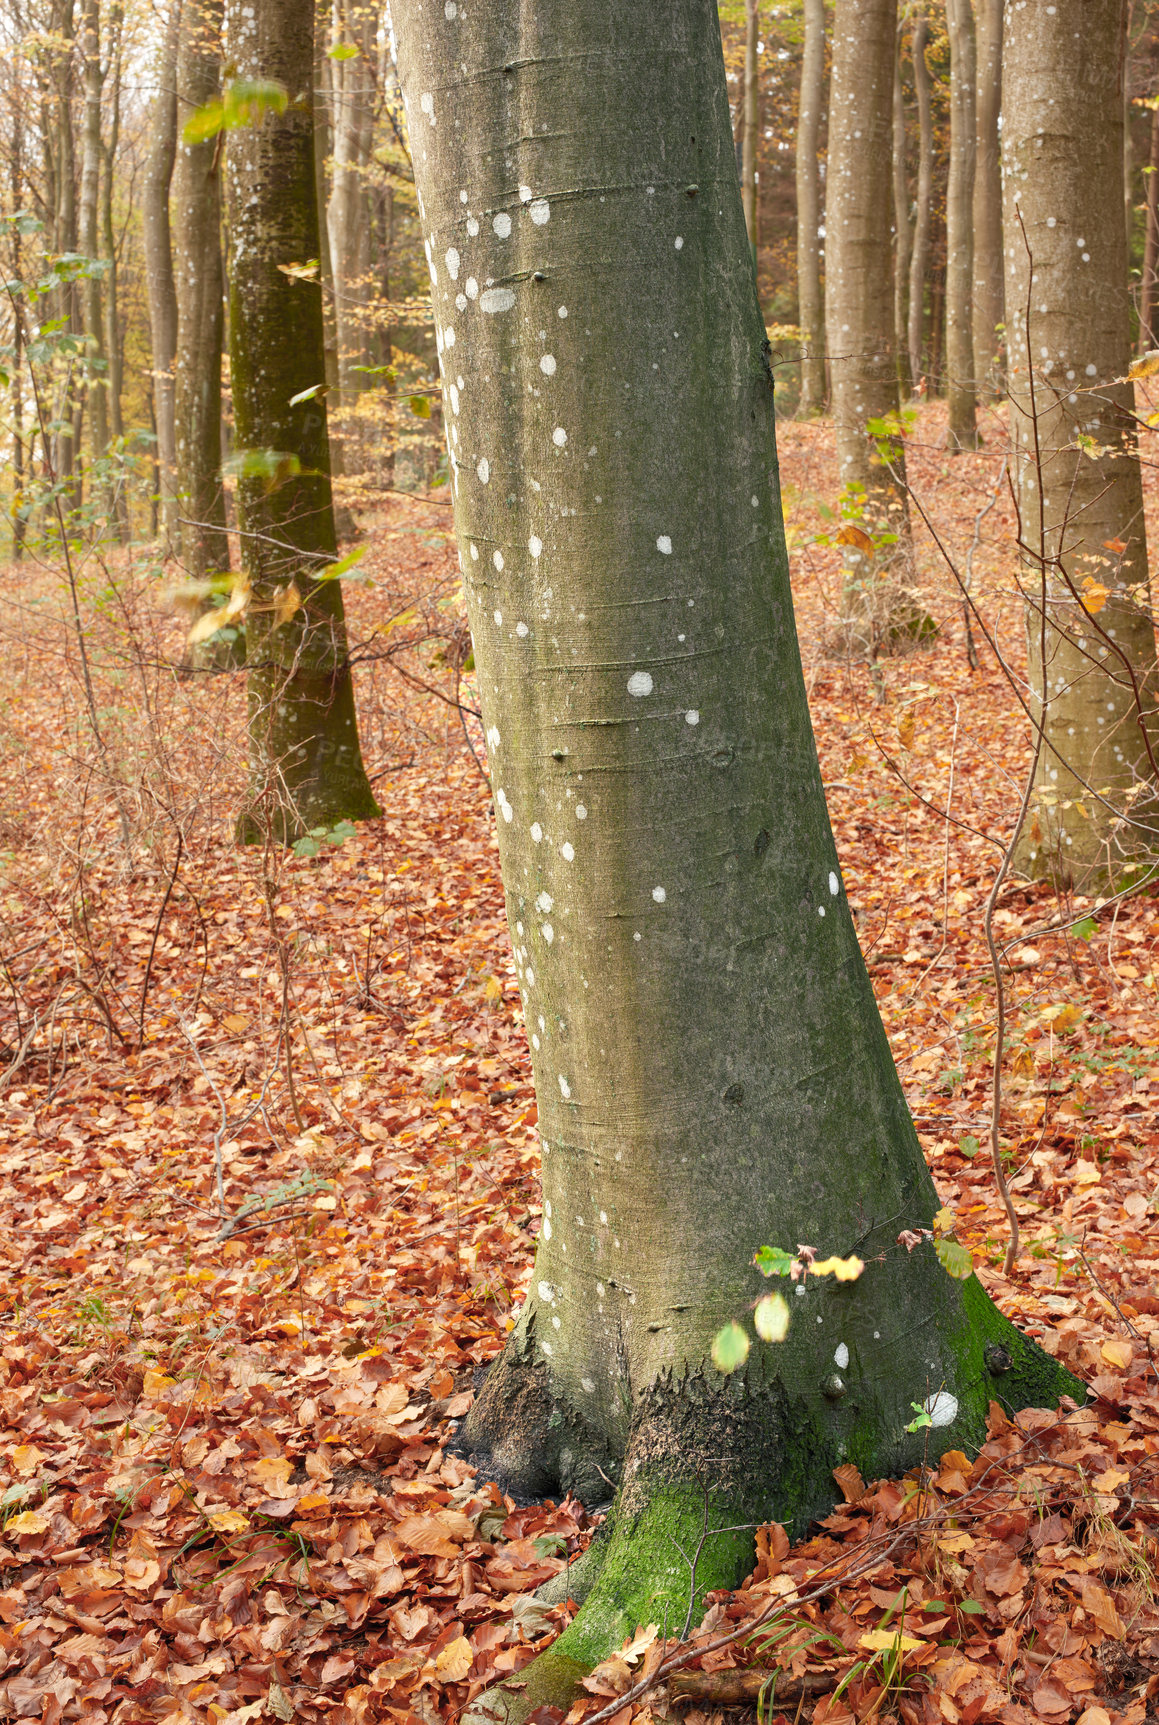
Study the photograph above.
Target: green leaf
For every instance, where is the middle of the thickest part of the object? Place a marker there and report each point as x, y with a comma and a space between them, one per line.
275, 466
730, 1348
771, 1318
969, 1147
343, 51
971, 1607
243, 102
420, 406
310, 394
771, 1261
335, 571
954, 1259
1086, 929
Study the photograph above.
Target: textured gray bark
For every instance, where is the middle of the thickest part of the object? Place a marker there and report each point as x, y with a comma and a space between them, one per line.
960, 368
111, 309
1149, 288
810, 315
989, 294
352, 92
306, 764
156, 238
710, 1066
200, 287
901, 233
88, 229
1061, 171
920, 257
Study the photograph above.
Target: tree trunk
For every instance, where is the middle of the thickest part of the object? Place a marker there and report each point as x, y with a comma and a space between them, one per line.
810, 309
901, 233
306, 764
1148, 295
961, 372
344, 521
711, 1069
920, 259
112, 303
1081, 508
859, 322
88, 237
66, 413
352, 95
157, 244
198, 275
989, 296
750, 121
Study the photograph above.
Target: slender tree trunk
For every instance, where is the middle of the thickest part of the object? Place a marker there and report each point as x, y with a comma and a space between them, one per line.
119, 493
901, 233
690, 970
1128, 138
1081, 508
811, 310
751, 120
1148, 295
306, 764
352, 92
345, 523
989, 295
859, 319
88, 236
66, 413
923, 203
158, 248
199, 286
961, 370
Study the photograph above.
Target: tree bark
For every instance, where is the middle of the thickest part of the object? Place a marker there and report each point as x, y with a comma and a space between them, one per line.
751, 120
920, 259
199, 283
1081, 508
810, 313
859, 324
157, 243
118, 488
88, 236
901, 232
66, 411
989, 293
711, 1069
306, 764
1148, 294
352, 86
961, 371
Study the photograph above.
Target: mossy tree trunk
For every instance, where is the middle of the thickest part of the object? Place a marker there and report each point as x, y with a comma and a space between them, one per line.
1075, 459
200, 290
306, 763
711, 1069
810, 312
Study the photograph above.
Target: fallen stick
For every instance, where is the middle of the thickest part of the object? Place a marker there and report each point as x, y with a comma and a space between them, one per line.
727, 1688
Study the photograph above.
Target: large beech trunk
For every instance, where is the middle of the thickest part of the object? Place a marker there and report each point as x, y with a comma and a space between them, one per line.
960, 369
200, 287
989, 293
1080, 506
306, 764
811, 315
711, 1069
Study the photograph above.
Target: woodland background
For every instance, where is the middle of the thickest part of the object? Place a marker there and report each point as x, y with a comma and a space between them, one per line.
270, 1168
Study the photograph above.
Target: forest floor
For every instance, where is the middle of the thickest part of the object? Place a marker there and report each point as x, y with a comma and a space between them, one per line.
270, 1190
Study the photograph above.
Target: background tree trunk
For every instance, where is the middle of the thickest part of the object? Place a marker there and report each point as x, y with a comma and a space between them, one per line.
859, 315
923, 203
88, 236
1147, 291
1061, 171
961, 371
352, 88
119, 482
198, 275
989, 294
901, 231
690, 971
810, 313
751, 120
158, 249
306, 764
